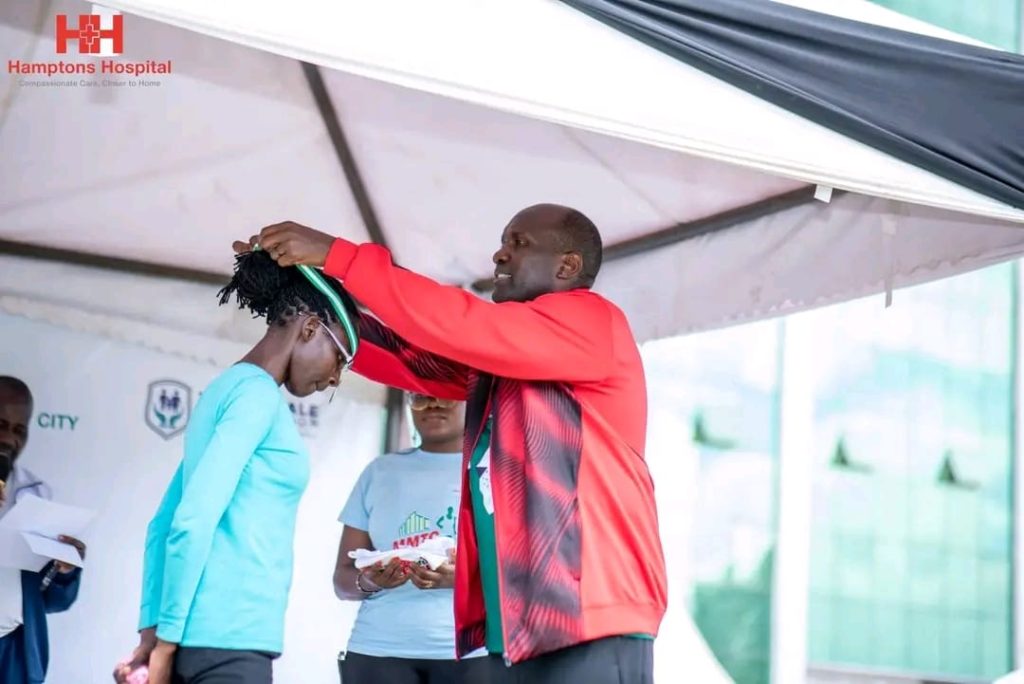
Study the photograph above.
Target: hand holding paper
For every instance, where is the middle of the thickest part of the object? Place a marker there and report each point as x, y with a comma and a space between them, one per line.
36, 531
53, 549
440, 577
432, 553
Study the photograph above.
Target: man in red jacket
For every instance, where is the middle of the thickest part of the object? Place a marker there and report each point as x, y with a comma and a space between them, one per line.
560, 571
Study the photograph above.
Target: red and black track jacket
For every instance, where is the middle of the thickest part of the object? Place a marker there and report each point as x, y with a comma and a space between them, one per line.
579, 557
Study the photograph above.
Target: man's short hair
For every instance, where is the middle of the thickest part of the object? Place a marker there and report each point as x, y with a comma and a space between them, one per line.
15, 386
579, 234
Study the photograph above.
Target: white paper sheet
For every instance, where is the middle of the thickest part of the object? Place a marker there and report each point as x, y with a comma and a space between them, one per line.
432, 553
54, 549
29, 531
16, 553
46, 518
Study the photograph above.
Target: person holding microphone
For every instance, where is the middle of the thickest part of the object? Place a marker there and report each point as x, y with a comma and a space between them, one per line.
27, 597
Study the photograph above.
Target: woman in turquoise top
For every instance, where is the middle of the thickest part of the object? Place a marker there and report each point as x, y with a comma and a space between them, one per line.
218, 559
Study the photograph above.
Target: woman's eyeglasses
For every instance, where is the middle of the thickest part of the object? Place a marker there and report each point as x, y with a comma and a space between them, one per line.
344, 358
421, 402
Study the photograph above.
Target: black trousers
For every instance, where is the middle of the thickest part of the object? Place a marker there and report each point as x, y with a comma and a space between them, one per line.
221, 666
357, 668
614, 660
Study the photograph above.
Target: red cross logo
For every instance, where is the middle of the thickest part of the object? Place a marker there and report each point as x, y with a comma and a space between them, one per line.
89, 33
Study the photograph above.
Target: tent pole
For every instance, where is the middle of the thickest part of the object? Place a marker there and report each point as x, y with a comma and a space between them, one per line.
1017, 470
710, 224
109, 263
685, 231
393, 426
344, 152
794, 483
393, 431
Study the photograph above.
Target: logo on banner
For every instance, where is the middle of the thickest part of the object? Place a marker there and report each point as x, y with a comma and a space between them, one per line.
56, 421
89, 34
168, 407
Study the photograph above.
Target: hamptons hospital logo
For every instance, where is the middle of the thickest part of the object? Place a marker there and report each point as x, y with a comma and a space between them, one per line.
90, 34
99, 38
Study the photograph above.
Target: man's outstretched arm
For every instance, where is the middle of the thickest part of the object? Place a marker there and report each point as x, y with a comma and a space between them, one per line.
551, 338
386, 358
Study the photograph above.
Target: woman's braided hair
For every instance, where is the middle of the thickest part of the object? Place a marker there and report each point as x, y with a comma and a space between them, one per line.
279, 293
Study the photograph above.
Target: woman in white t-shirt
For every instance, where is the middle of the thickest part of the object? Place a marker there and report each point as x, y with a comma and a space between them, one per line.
405, 630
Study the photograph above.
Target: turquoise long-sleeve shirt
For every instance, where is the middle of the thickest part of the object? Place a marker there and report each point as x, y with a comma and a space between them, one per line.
218, 559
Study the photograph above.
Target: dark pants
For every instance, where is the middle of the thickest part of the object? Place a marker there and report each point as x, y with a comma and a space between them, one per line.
357, 668
13, 667
615, 660
221, 666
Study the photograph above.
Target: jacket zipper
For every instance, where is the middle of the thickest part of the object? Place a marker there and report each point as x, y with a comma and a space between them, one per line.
497, 548
501, 598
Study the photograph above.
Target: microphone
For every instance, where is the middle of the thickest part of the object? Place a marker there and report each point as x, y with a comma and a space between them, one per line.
48, 577
6, 467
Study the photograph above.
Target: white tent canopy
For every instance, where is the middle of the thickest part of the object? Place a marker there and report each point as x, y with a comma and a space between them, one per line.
458, 114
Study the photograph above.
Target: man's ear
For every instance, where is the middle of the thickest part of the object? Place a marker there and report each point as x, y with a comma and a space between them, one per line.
571, 266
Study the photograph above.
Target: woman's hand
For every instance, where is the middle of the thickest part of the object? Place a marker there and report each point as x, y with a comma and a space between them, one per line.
442, 578
161, 662
386, 576
139, 657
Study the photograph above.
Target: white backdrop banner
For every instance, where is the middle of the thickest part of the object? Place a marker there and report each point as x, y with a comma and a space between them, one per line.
106, 434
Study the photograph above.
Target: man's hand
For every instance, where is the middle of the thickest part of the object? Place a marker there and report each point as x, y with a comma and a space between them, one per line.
387, 576
289, 244
442, 578
140, 656
65, 568
161, 662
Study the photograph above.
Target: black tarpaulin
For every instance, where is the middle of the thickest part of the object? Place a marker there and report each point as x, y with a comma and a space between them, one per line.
956, 110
